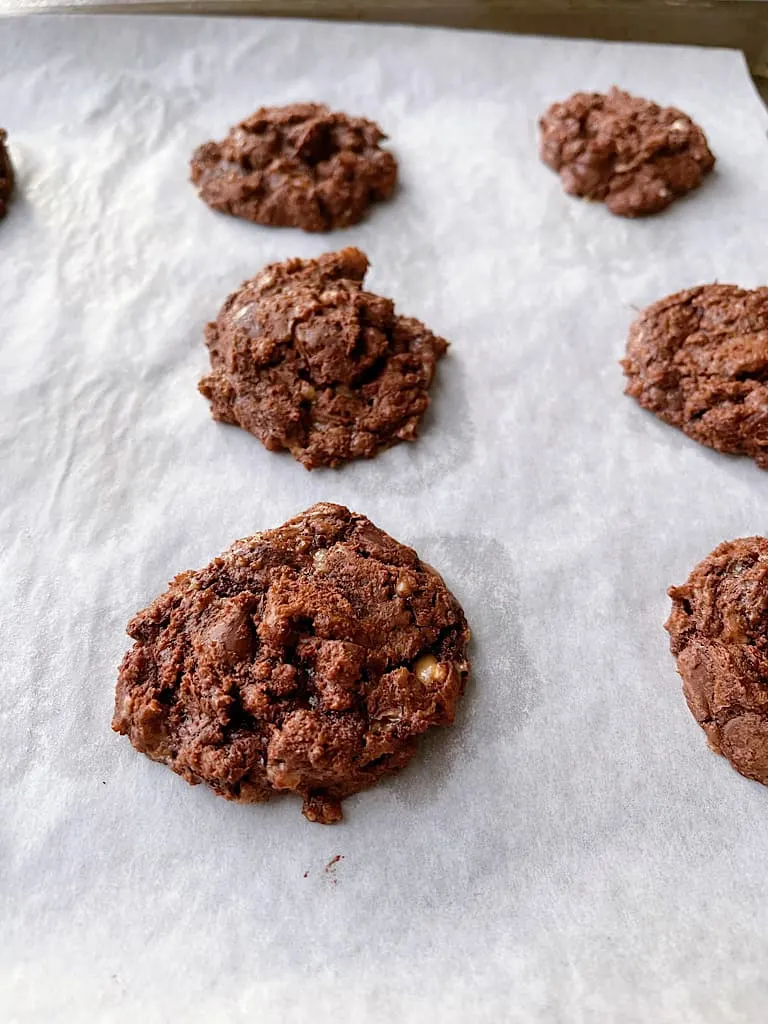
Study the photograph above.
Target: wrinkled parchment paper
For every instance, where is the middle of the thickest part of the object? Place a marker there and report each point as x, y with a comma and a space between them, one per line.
570, 851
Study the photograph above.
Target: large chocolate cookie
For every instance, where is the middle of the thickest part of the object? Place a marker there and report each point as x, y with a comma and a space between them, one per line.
699, 360
629, 153
296, 166
306, 659
307, 361
6, 175
719, 635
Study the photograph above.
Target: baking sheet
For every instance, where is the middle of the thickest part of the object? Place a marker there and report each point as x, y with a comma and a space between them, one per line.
570, 850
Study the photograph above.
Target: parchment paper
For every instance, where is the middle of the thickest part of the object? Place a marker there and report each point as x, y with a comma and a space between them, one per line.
570, 850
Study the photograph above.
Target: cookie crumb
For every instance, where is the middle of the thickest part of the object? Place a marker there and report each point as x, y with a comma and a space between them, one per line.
330, 868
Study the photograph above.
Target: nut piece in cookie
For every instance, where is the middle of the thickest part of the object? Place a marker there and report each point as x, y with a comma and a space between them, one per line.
297, 166
308, 362
627, 152
6, 175
719, 635
306, 659
699, 360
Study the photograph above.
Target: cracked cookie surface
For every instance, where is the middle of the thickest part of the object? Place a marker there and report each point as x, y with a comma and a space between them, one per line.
308, 362
298, 166
309, 659
718, 631
699, 360
627, 152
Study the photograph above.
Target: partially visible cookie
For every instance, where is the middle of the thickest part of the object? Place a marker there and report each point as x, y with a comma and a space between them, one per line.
298, 166
627, 152
306, 659
699, 360
719, 635
308, 362
6, 175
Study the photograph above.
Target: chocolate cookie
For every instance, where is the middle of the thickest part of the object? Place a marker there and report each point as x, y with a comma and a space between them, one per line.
307, 361
296, 166
699, 360
307, 659
629, 153
719, 635
6, 175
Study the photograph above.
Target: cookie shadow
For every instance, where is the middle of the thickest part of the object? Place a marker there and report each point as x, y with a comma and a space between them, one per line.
675, 443
503, 687
444, 444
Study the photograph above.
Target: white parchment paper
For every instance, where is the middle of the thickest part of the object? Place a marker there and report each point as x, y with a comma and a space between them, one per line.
570, 851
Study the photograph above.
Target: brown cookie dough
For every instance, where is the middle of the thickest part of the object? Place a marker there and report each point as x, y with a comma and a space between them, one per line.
699, 360
629, 153
307, 361
297, 166
719, 636
6, 175
307, 659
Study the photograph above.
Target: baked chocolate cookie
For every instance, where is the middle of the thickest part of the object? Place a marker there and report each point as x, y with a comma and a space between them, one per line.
719, 636
629, 153
298, 166
699, 360
307, 361
6, 175
306, 659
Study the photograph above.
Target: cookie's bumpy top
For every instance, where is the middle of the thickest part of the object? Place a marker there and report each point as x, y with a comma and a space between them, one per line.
699, 360
309, 658
719, 635
632, 154
6, 175
296, 166
307, 361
